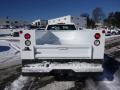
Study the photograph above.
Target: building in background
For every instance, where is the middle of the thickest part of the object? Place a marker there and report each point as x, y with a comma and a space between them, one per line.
10, 23
80, 22
40, 23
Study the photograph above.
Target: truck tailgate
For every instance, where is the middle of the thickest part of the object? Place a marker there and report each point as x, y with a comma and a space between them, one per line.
63, 51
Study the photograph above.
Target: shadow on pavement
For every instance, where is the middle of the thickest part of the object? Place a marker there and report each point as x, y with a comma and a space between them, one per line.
110, 66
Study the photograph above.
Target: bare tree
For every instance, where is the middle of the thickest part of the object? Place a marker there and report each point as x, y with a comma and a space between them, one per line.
90, 22
98, 15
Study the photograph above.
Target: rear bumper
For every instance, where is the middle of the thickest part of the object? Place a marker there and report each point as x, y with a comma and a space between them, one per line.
32, 67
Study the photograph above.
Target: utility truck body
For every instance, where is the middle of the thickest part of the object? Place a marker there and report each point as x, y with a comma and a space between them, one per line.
60, 48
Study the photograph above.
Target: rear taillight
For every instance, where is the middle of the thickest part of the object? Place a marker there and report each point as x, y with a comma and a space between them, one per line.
27, 36
97, 35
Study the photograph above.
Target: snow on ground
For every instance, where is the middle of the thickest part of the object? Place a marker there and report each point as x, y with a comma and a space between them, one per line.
105, 84
113, 36
18, 84
110, 85
8, 55
8, 31
5, 31
9, 51
110, 80
59, 85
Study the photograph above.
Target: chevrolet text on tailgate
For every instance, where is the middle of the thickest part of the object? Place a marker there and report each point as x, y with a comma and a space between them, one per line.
60, 48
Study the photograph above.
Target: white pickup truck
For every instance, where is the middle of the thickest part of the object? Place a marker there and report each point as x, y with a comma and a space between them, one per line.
61, 49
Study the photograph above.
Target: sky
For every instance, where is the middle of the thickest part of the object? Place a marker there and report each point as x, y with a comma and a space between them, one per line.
48, 9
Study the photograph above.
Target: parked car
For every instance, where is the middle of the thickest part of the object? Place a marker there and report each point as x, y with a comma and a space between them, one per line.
110, 31
14, 33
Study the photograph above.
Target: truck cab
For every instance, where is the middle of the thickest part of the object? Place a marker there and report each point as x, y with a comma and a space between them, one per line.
61, 49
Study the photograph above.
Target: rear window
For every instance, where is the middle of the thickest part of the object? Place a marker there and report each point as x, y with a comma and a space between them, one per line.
61, 27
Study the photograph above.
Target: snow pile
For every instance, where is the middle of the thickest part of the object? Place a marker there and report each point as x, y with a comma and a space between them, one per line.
113, 36
9, 56
59, 85
15, 45
18, 84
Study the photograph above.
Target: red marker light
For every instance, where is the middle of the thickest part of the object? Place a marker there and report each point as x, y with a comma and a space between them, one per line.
21, 32
27, 36
103, 31
97, 35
